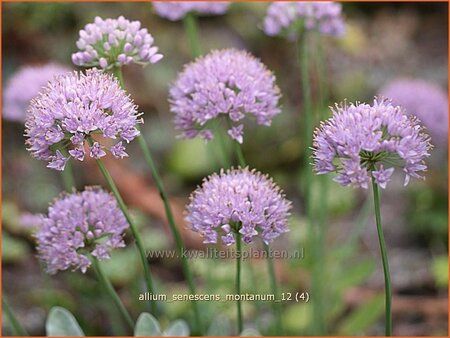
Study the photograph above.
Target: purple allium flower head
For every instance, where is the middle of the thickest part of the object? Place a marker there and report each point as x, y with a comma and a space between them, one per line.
363, 141
79, 225
324, 16
115, 42
426, 100
176, 10
24, 85
75, 106
228, 84
238, 200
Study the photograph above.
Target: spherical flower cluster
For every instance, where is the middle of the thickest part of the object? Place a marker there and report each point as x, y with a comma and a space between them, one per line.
176, 10
241, 201
290, 16
227, 83
115, 42
426, 100
363, 141
24, 85
79, 225
74, 107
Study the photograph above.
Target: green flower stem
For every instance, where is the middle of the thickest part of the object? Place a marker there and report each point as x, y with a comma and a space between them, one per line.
218, 132
384, 258
134, 231
321, 73
117, 72
307, 123
111, 292
238, 282
17, 328
307, 105
67, 174
240, 155
171, 220
322, 217
173, 227
274, 287
190, 26
323, 115
318, 324
273, 279
242, 163
67, 177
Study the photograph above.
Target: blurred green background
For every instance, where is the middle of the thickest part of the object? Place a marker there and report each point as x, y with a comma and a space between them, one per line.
383, 41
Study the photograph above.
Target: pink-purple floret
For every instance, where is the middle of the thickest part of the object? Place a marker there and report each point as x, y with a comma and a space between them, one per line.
77, 106
238, 200
228, 86
361, 141
177, 10
324, 17
79, 225
109, 43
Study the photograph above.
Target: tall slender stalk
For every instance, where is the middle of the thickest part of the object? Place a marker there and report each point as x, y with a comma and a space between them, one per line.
112, 293
17, 328
323, 115
67, 174
238, 282
134, 231
318, 324
307, 108
274, 287
190, 26
218, 134
240, 155
67, 177
270, 266
168, 210
307, 122
173, 227
321, 73
384, 259
117, 72
320, 264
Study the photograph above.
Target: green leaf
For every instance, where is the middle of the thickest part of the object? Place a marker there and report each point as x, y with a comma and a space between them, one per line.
60, 322
178, 328
147, 325
363, 317
250, 333
219, 327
